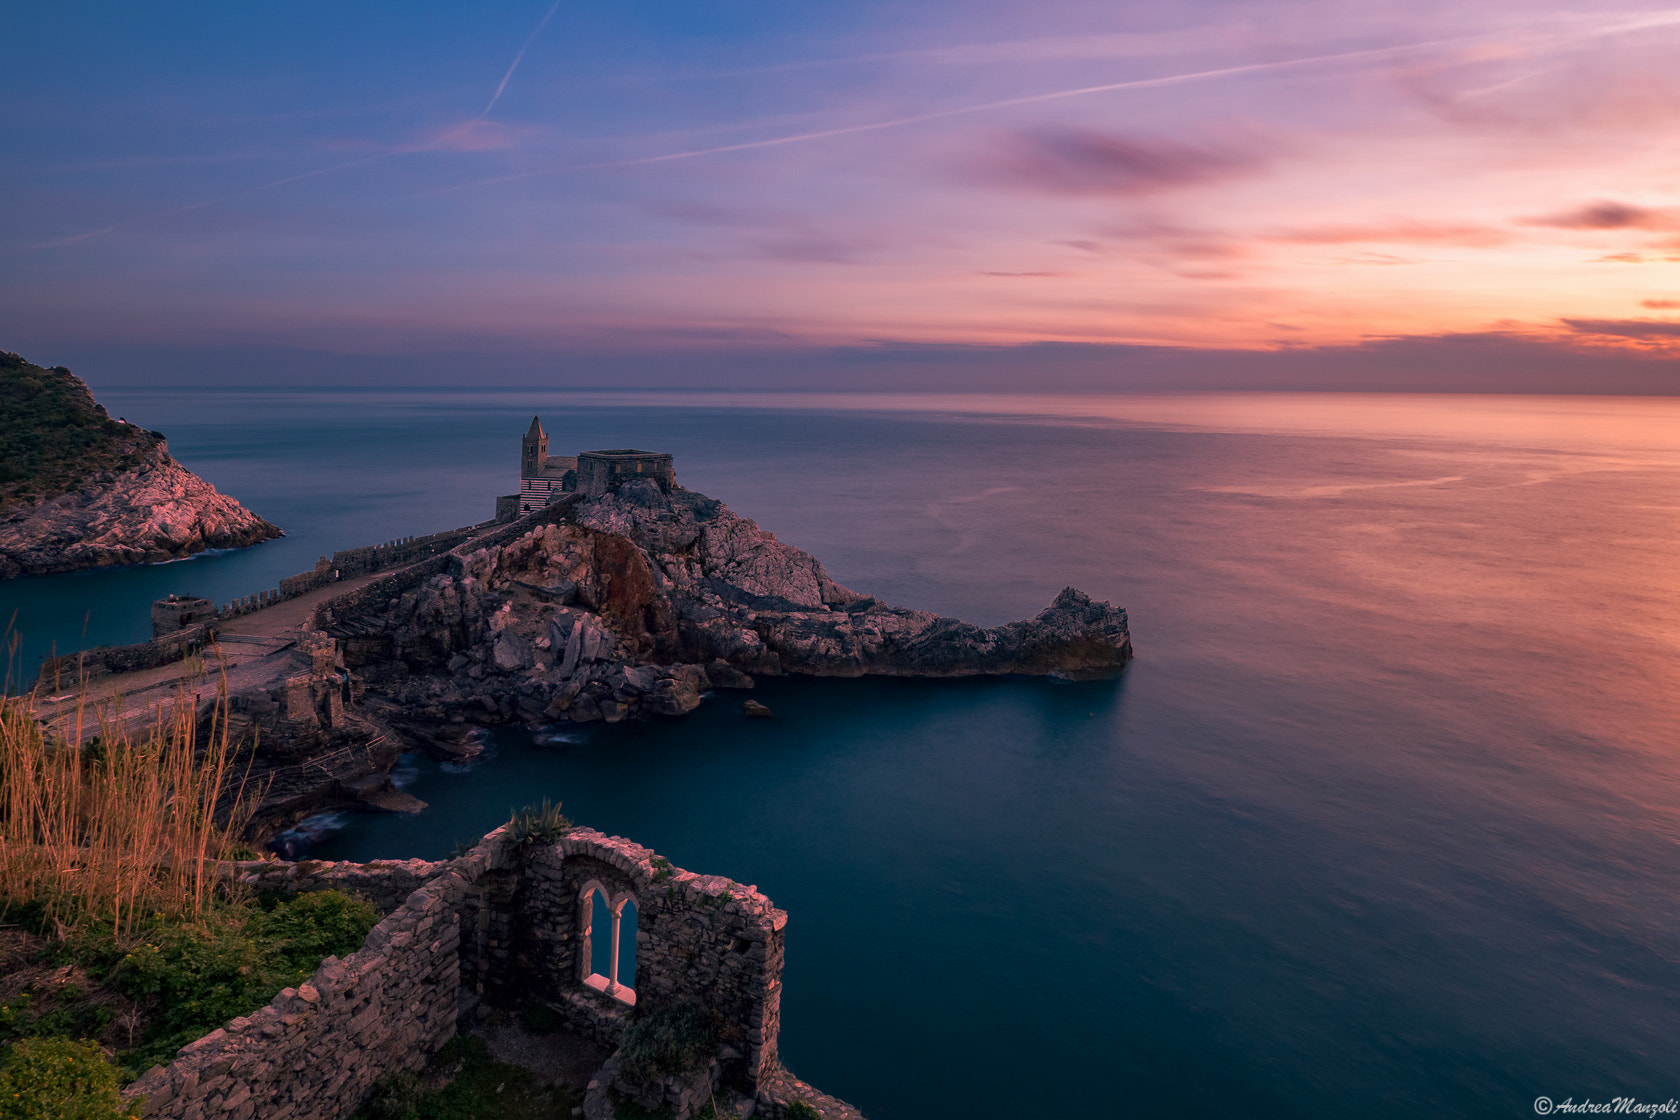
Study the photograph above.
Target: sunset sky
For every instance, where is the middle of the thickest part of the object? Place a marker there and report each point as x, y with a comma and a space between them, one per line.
812, 190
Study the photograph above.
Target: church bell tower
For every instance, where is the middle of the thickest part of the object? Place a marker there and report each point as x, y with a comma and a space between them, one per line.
533, 451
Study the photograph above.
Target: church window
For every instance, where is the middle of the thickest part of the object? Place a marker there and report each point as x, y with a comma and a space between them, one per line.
607, 959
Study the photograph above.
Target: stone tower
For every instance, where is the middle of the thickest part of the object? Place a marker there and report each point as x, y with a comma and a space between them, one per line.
533, 451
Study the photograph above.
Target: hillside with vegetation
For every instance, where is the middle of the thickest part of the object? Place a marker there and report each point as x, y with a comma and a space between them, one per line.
54, 435
121, 937
79, 489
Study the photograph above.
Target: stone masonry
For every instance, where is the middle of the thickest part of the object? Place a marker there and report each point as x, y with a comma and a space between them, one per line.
508, 925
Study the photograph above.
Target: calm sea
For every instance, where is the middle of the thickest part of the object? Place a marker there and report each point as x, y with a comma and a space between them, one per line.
1382, 822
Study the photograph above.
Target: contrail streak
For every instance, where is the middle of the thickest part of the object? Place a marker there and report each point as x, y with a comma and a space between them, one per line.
191, 206
1662, 18
983, 107
520, 57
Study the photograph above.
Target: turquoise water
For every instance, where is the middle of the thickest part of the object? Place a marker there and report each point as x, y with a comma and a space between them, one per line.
1381, 822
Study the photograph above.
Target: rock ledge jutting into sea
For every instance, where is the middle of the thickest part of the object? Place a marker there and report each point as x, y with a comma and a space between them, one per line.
637, 602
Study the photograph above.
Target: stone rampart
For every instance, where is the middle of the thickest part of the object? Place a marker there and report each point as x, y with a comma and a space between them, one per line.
65, 670
404, 550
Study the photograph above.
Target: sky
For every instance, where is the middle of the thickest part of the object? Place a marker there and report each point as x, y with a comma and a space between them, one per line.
1295, 193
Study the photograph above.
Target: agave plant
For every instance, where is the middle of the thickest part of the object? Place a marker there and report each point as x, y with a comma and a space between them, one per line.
538, 824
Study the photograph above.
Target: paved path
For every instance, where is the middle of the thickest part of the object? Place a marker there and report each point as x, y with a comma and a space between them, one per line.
257, 652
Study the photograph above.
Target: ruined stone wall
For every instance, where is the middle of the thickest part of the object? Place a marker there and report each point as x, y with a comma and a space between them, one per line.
599, 472
177, 612
702, 937
503, 924
316, 1050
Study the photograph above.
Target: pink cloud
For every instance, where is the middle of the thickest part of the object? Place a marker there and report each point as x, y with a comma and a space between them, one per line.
1396, 233
1606, 214
1626, 328
1078, 161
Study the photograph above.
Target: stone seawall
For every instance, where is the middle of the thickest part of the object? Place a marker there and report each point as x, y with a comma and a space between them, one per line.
67, 669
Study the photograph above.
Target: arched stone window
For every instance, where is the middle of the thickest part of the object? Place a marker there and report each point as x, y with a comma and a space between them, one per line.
607, 944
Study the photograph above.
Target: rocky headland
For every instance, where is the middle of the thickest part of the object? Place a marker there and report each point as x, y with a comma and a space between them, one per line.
81, 490
637, 602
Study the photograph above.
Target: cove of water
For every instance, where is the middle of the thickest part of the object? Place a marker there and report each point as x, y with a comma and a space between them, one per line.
1381, 822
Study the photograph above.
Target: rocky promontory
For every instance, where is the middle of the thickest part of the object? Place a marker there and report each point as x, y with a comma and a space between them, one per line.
81, 490
639, 601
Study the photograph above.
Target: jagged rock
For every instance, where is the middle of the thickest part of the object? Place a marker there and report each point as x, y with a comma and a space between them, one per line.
754, 710
724, 675
672, 696
513, 652
155, 512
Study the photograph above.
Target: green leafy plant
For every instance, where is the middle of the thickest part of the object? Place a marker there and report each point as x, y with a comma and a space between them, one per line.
538, 824
668, 1037
200, 976
661, 869
61, 1079
799, 1110
72, 1018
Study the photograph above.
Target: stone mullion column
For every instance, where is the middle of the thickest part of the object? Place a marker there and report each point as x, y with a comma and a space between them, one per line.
617, 917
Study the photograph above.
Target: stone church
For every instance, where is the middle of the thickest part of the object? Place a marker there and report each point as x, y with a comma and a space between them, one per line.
544, 477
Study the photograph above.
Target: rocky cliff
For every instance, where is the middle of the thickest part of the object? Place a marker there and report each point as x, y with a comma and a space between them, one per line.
641, 600
81, 490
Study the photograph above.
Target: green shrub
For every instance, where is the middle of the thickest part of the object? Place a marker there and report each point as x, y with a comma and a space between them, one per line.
671, 1037
310, 927
799, 1110
72, 1018
202, 976
57, 1079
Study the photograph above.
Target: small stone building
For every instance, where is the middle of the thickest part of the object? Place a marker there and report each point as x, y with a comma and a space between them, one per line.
179, 612
600, 472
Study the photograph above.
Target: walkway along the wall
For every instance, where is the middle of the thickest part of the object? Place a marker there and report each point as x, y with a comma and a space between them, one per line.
344, 564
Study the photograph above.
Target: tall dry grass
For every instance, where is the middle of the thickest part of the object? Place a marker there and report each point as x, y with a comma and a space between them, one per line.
123, 826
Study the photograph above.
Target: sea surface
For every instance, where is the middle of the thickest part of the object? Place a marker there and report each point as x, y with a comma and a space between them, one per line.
1384, 821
